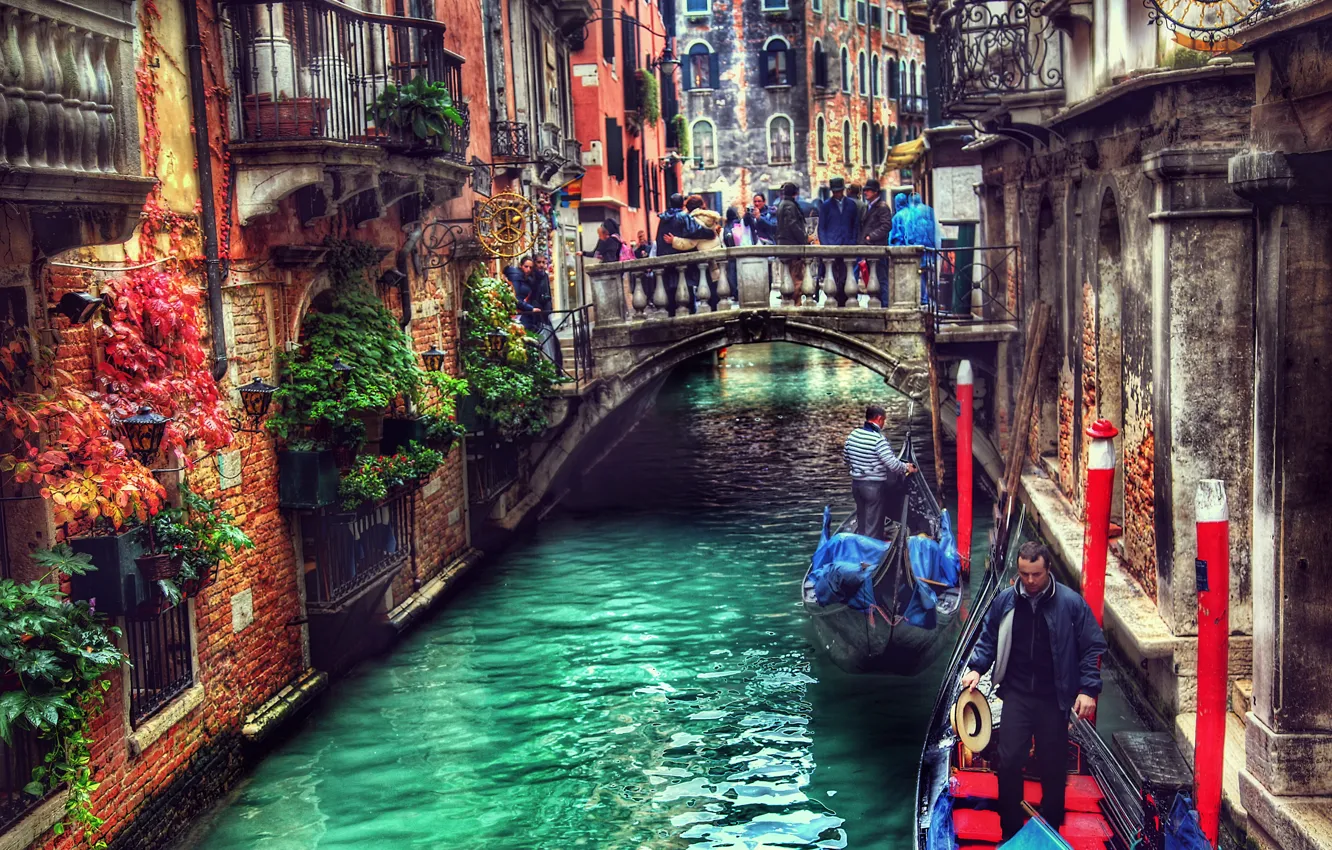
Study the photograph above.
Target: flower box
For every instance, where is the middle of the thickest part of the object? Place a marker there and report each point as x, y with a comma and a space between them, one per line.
307, 479
289, 118
398, 433
116, 585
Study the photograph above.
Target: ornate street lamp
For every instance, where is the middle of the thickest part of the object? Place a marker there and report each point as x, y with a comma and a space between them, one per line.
341, 372
256, 396
433, 359
144, 431
667, 61
497, 344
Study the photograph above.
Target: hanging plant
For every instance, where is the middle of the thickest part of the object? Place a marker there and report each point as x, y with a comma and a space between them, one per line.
56, 653
681, 135
510, 393
199, 533
372, 478
649, 97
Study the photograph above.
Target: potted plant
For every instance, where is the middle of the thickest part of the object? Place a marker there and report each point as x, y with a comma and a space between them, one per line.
284, 118
435, 421
198, 537
417, 113
374, 479
58, 651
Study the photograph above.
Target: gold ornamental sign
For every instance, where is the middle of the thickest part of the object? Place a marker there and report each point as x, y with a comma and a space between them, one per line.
506, 225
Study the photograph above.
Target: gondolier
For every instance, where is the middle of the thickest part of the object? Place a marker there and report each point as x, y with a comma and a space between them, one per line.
876, 473
1045, 646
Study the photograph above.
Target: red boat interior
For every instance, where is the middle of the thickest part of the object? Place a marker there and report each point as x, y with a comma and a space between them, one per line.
976, 804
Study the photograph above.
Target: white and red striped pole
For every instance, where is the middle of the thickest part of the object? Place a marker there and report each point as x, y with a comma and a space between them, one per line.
1212, 571
965, 410
1096, 537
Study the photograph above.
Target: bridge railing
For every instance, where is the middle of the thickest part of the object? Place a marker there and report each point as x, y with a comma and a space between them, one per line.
754, 277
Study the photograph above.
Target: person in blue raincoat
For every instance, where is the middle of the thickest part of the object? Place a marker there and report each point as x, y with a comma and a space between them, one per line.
898, 234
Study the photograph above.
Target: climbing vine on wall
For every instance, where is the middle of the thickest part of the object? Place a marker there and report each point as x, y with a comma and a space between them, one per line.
510, 393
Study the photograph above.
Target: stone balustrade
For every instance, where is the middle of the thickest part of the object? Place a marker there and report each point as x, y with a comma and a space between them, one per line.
59, 94
796, 274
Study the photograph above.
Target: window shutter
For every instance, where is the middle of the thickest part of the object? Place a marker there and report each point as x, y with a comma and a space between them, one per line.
635, 178
714, 70
608, 30
791, 74
614, 149
628, 38
765, 74
687, 73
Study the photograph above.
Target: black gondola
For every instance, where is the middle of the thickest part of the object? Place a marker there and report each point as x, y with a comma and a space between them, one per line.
861, 643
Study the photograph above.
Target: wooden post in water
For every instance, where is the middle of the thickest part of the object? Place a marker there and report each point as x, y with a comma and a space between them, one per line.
1021, 424
1212, 574
965, 411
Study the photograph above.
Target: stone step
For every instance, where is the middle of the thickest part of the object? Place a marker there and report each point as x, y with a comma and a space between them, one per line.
1241, 697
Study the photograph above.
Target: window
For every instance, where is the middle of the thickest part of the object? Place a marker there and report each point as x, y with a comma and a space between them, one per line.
902, 83
864, 143
818, 7
820, 66
862, 12
702, 70
846, 71
608, 30
777, 64
614, 149
876, 17
703, 137
913, 77
841, 9
860, 71
697, 7
774, 5
846, 142
629, 38
634, 178
161, 661
901, 22
874, 75
894, 135
879, 151
887, 18
892, 77
821, 136
923, 90
779, 140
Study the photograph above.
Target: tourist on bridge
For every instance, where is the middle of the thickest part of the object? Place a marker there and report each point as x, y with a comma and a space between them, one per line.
711, 219
900, 232
839, 224
1045, 646
642, 248
676, 222
855, 192
874, 231
609, 247
791, 229
878, 475
761, 221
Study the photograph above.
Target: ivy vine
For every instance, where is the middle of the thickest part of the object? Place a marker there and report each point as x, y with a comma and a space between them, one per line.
510, 393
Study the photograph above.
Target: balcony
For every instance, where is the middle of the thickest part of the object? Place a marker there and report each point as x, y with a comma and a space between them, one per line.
69, 125
305, 74
911, 104
352, 550
511, 140
998, 55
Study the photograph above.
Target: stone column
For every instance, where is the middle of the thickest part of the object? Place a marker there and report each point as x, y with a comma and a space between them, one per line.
608, 297
903, 278
1202, 370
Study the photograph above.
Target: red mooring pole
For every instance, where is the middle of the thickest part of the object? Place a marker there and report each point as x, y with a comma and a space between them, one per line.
965, 411
1212, 571
1096, 537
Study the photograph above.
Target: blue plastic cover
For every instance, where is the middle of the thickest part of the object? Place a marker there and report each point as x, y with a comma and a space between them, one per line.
936, 560
1182, 829
1036, 835
843, 567
941, 836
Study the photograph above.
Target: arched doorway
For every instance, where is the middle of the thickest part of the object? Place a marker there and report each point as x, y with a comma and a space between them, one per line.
1109, 336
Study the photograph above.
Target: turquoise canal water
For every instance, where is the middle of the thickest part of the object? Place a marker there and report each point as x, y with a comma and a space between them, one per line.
636, 674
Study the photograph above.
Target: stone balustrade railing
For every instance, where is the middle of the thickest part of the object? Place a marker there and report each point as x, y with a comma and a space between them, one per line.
638, 290
60, 97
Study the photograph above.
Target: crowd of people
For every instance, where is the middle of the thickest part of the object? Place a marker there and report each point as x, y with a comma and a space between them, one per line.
530, 280
851, 215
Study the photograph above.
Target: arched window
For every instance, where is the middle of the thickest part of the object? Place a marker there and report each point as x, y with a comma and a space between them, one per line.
924, 90
892, 76
846, 142
703, 141
864, 143
887, 18
913, 77
902, 83
846, 71
874, 75
779, 140
893, 137
701, 68
820, 66
860, 71
777, 65
879, 144
821, 134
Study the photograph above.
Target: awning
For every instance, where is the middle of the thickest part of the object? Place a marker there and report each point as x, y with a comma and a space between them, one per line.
903, 155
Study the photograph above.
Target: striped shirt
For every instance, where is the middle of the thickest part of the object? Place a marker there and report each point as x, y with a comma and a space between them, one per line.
869, 455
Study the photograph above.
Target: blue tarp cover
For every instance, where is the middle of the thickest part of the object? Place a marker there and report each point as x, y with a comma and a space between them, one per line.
942, 836
1036, 835
1182, 829
843, 567
936, 560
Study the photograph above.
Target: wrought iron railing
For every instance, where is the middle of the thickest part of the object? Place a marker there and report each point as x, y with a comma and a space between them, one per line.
994, 48
511, 140
161, 663
16, 763
354, 548
576, 326
970, 285
912, 104
309, 70
491, 469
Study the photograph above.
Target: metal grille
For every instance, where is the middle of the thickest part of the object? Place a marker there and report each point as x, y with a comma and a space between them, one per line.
161, 665
971, 285
16, 764
991, 49
511, 140
353, 549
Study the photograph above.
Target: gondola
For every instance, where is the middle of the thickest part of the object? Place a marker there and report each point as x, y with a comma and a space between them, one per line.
882, 640
957, 790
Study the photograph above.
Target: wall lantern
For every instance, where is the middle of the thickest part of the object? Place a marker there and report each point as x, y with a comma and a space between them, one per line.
497, 344
667, 61
341, 372
78, 307
144, 431
256, 396
433, 359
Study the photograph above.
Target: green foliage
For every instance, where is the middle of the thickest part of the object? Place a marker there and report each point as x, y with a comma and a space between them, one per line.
439, 409
315, 403
510, 394
649, 94
422, 108
56, 653
681, 135
200, 533
372, 477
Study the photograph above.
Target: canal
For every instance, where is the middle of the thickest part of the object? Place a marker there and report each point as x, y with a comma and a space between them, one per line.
638, 672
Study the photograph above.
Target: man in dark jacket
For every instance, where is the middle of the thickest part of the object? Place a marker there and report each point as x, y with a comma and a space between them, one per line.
676, 222
791, 231
874, 231
1045, 646
839, 224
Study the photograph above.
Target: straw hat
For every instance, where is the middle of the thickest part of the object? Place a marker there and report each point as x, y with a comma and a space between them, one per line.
971, 720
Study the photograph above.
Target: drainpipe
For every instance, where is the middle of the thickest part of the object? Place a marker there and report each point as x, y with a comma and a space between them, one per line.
204, 169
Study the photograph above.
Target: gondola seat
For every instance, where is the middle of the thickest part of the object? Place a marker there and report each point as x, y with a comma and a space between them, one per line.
1083, 793
977, 825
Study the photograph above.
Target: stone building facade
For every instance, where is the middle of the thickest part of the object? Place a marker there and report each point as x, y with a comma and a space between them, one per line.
1162, 199
794, 90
